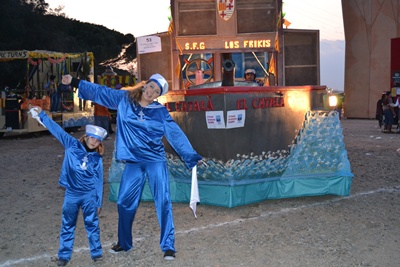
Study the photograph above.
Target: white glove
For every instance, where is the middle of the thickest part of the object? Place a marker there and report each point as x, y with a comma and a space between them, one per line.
35, 115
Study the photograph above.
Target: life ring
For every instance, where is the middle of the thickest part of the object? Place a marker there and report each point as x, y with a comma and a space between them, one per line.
198, 71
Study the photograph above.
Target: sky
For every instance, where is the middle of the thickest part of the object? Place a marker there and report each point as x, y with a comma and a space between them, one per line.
151, 16
325, 16
126, 16
322, 15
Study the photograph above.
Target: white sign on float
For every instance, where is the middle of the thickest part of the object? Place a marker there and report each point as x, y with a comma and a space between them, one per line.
22, 54
215, 119
148, 44
235, 118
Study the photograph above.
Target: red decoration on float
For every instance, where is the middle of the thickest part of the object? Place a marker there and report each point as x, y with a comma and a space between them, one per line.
34, 63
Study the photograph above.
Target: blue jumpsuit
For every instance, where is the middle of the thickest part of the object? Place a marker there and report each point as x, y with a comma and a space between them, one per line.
82, 177
139, 144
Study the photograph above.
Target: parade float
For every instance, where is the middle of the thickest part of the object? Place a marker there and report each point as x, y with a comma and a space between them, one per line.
264, 142
15, 103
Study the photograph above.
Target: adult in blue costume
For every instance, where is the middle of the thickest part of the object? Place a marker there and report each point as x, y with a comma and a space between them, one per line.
142, 122
82, 177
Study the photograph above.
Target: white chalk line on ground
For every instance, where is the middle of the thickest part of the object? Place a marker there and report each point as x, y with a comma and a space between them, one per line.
212, 226
287, 210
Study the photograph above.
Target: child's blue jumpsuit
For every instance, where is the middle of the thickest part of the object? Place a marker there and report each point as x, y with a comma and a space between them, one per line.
82, 177
139, 144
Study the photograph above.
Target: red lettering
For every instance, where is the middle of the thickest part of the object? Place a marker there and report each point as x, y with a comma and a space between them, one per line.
281, 102
254, 103
177, 106
241, 104
184, 106
167, 106
267, 102
262, 103
191, 106
196, 106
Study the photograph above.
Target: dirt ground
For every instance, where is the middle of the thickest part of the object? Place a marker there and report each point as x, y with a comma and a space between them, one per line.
362, 229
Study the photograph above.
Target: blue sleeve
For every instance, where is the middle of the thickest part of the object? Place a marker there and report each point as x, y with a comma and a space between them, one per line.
100, 94
180, 143
65, 139
99, 184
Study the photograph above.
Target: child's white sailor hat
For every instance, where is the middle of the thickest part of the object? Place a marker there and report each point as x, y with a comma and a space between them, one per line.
161, 82
96, 132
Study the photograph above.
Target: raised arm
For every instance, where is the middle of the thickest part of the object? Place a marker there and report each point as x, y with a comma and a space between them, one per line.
100, 94
56, 130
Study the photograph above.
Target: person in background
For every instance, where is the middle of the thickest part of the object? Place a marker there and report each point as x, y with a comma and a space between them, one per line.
388, 112
142, 123
379, 111
113, 112
54, 93
67, 97
397, 104
82, 178
102, 117
31, 91
250, 76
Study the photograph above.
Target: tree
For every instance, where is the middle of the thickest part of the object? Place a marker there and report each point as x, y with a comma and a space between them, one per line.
58, 11
36, 6
32, 25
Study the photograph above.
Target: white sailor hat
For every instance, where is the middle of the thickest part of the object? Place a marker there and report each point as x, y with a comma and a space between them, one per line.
161, 82
96, 132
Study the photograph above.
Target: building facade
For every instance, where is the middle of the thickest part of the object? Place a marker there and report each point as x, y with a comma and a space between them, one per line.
369, 28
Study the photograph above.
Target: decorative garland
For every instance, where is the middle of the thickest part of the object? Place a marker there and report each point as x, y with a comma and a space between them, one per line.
34, 63
51, 60
56, 61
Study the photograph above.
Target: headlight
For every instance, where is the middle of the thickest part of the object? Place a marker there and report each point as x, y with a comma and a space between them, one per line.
332, 101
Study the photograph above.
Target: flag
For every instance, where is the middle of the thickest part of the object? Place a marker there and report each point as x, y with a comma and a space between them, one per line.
266, 81
277, 48
170, 27
279, 21
178, 70
194, 193
271, 67
286, 23
178, 67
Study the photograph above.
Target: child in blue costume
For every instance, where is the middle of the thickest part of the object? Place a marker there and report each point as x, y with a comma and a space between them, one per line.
82, 177
142, 122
